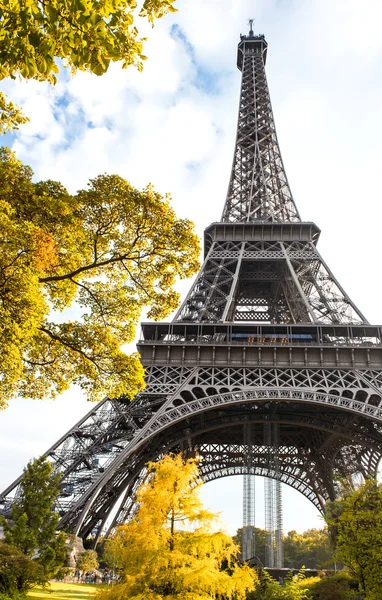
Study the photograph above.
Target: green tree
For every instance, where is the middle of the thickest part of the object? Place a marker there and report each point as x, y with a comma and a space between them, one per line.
18, 572
32, 529
88, 561
335, 587
260, 541
310, 549
169, 551
297, 587
86, 34
356, 525
107, 251
267, 588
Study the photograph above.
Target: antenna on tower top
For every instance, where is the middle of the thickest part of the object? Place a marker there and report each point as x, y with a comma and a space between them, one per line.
250, 22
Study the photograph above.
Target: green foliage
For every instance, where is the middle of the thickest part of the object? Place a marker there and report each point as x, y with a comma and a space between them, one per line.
310, 549
18, 572
86, 34
356, 525
260, 540
33, 528
11, 116
14, 595
335, 587
266, 589
295, 587
88, 561
298, 587
169, 550
109, 251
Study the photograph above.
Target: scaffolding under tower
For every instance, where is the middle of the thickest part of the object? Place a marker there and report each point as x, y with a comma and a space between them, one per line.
249, 498
273, 499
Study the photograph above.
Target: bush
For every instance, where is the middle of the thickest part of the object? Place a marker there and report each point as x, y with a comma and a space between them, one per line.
88, 561
13, 596
297, 587
294, 587
335, 587
18, 572
266, 589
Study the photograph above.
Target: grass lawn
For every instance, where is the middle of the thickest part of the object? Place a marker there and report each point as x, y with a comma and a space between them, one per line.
64, 591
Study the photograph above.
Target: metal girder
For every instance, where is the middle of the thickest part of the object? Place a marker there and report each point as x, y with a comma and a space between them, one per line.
281, 282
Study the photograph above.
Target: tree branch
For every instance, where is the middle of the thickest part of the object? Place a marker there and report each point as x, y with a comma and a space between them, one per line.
91, 266
92, 296
72, 347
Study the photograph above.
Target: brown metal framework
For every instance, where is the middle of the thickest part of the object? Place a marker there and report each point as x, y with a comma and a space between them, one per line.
266, 341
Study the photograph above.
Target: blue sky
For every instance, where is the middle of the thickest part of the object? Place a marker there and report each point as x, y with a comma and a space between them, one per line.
174, 125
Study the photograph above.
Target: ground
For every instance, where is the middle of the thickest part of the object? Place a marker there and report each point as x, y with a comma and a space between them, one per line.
64, 591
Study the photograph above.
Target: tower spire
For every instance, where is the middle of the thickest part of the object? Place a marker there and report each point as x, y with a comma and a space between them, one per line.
258, 187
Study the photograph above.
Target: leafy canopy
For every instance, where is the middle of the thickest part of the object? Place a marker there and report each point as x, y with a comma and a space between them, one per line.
87, 561
356, 525
86, 34
33, 528
103, 254
18, 572
11, 116
293, 587
310, 549
339, 586
169, 550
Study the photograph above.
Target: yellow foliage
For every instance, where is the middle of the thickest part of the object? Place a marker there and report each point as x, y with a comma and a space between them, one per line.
86, 34
102, 254
11, 116
170, 549
45, 253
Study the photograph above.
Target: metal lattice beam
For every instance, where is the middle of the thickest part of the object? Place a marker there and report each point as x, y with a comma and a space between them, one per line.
258, 187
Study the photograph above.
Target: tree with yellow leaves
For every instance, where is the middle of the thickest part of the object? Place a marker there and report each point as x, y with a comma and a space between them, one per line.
75, 273
169, 550
86, 34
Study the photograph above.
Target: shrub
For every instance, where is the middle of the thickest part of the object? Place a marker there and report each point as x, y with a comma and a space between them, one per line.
88, 561
18, 572
335, 587
13, 596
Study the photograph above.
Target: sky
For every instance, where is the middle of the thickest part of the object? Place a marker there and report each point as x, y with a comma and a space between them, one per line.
174, 125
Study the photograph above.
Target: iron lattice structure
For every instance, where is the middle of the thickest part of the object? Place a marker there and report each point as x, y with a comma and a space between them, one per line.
249, 497
273, 499
266, 339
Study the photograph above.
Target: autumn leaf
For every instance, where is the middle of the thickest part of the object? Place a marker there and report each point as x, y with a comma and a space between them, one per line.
96, 259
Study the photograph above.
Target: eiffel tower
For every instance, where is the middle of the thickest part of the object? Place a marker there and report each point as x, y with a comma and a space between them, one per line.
266, 340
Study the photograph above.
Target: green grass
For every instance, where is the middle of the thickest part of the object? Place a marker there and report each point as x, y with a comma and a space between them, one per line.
64, 591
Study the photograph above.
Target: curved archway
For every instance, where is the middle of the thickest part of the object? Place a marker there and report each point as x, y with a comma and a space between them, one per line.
337, 427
